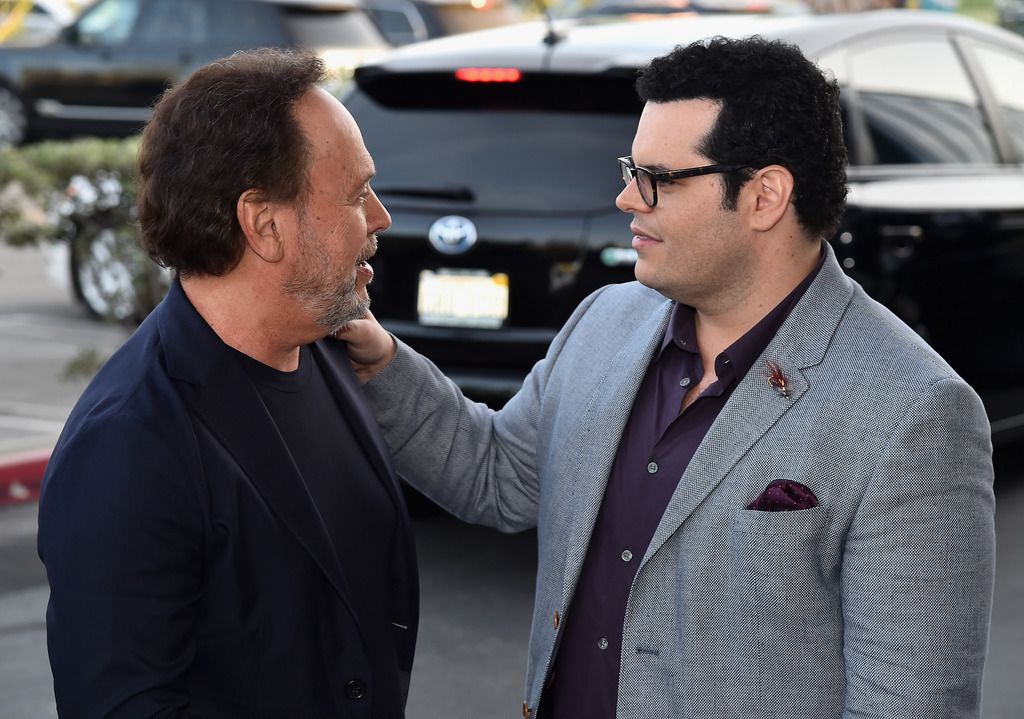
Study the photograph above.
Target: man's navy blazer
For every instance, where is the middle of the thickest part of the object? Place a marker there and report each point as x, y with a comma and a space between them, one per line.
190, 572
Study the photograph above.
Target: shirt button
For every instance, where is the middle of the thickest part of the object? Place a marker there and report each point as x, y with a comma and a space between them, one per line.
652, 468
684, 382
602, 644
627, 555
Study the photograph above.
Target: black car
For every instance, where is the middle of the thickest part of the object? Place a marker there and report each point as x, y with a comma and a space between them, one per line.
496, 156
104, 71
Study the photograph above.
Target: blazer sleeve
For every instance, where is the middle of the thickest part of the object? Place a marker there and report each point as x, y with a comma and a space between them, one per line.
120, 535
480, 465
918, 567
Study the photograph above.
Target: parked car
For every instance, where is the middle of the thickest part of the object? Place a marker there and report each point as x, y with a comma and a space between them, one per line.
34, 23
407, 21
105, 70
495, 154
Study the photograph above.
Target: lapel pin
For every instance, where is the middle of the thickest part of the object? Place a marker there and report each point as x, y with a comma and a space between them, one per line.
778, 380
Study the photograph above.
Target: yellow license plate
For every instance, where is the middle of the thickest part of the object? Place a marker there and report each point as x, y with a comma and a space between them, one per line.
462, 298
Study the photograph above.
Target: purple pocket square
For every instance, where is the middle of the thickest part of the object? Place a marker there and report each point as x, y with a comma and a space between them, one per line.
784, 495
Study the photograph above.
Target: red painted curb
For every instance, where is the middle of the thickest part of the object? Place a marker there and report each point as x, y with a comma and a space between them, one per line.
21, 476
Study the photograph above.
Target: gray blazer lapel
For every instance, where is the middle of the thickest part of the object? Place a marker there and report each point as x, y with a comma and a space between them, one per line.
755, 406
599, 432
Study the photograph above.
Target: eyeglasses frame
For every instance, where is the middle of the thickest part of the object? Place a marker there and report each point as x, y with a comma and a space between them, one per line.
626, 165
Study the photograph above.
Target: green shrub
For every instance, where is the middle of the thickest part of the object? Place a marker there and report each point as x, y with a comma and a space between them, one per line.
34, 182
83, 192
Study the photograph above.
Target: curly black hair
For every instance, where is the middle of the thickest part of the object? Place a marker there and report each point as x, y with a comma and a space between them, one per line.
226, 129
776, 108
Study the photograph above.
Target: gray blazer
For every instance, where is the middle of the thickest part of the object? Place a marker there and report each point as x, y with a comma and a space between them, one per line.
873, 604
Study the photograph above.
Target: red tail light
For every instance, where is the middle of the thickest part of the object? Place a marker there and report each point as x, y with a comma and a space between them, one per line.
488, 74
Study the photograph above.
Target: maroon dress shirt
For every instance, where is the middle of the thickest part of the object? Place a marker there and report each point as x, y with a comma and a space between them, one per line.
656, 447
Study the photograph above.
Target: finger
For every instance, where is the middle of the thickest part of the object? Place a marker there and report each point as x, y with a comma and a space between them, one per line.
355, 328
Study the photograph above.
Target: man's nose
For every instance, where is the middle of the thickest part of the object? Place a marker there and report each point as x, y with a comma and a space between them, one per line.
629, 200
381, 216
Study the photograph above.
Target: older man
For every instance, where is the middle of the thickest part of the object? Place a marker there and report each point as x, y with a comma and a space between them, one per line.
757, 492
222, 531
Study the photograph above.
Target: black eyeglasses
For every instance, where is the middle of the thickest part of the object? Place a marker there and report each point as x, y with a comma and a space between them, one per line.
647, 180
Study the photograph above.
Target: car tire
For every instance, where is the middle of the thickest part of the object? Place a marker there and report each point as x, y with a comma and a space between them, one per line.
103, 280
13, 118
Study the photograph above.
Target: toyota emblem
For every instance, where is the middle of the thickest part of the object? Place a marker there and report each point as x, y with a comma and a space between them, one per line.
452, 234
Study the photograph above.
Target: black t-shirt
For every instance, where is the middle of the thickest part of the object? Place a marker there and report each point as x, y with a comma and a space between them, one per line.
357, 511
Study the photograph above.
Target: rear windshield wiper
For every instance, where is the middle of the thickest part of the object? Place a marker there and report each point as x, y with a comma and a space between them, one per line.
458, 194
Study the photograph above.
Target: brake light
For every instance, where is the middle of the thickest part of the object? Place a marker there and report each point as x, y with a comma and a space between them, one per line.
488, 74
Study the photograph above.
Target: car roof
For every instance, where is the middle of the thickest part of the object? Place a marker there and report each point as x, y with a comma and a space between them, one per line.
596, 47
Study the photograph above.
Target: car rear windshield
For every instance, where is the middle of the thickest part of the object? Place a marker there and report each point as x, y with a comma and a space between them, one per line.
545, 144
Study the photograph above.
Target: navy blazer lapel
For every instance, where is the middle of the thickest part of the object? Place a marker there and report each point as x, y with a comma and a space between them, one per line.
223, 398
332, 357
755, 406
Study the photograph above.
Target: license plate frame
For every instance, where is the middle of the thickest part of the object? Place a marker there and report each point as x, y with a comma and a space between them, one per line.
474, 299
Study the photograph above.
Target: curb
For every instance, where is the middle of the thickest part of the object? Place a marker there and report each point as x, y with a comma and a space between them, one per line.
21, 476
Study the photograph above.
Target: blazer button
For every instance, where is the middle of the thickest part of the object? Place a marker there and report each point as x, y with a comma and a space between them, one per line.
526, 711
557, 620
355, 689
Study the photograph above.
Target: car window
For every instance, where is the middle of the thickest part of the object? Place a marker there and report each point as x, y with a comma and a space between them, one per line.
173, 22
457, 17
108, 22
314, 28
918, 103
547, 144
1005, 75
397, 25
244, 23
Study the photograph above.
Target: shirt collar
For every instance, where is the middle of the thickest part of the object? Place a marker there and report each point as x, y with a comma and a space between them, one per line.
681, 330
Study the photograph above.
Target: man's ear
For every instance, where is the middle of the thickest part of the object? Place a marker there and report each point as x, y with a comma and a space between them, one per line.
256, 218
772, 190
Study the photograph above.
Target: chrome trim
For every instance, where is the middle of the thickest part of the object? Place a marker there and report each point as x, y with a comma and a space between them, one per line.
57, 109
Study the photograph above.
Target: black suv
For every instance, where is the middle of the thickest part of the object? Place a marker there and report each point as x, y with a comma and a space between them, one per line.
495, 154
103, 72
